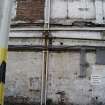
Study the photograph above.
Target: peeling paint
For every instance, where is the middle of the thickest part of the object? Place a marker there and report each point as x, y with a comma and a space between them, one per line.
64, 86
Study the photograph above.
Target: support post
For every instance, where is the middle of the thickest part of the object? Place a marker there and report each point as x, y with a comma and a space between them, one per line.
5, 9
45, 52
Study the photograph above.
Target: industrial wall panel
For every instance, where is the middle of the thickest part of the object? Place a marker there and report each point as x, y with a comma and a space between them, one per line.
64, 71
69, 11
104, 9
18, 37
65, 11
81, 9
23, 77
58, 9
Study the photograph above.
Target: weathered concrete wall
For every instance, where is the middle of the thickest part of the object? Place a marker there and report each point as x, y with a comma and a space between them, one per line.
23, 77
24, 67
62, 11
65, 43
77, 10
73, 9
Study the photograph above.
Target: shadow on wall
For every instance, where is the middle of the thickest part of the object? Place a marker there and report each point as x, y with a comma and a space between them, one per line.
25, 101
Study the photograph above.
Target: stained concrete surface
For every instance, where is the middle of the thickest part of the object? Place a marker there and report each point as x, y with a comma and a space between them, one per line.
25, 101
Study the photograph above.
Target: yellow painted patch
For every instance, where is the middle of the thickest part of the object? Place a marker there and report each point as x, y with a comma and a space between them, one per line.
1, 94
3, 54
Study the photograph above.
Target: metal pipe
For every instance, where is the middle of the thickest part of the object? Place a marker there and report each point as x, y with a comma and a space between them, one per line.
44, 74
42, 83
5, 9
46, 78
45, 52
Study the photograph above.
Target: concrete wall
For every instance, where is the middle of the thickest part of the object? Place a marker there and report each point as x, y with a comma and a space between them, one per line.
26, 46
62, 11
23, 77
77, 10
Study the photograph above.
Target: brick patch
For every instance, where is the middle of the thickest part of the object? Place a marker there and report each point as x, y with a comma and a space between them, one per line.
30, 10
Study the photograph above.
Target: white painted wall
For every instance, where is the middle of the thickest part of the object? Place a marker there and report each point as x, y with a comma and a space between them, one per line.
22, 67
74, 10
63, 75
78, 10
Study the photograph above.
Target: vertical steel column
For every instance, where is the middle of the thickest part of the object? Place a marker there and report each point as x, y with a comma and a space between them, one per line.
5, 9
45, 52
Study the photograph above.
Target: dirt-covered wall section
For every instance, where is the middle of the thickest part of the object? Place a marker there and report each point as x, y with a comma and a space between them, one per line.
76, 50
